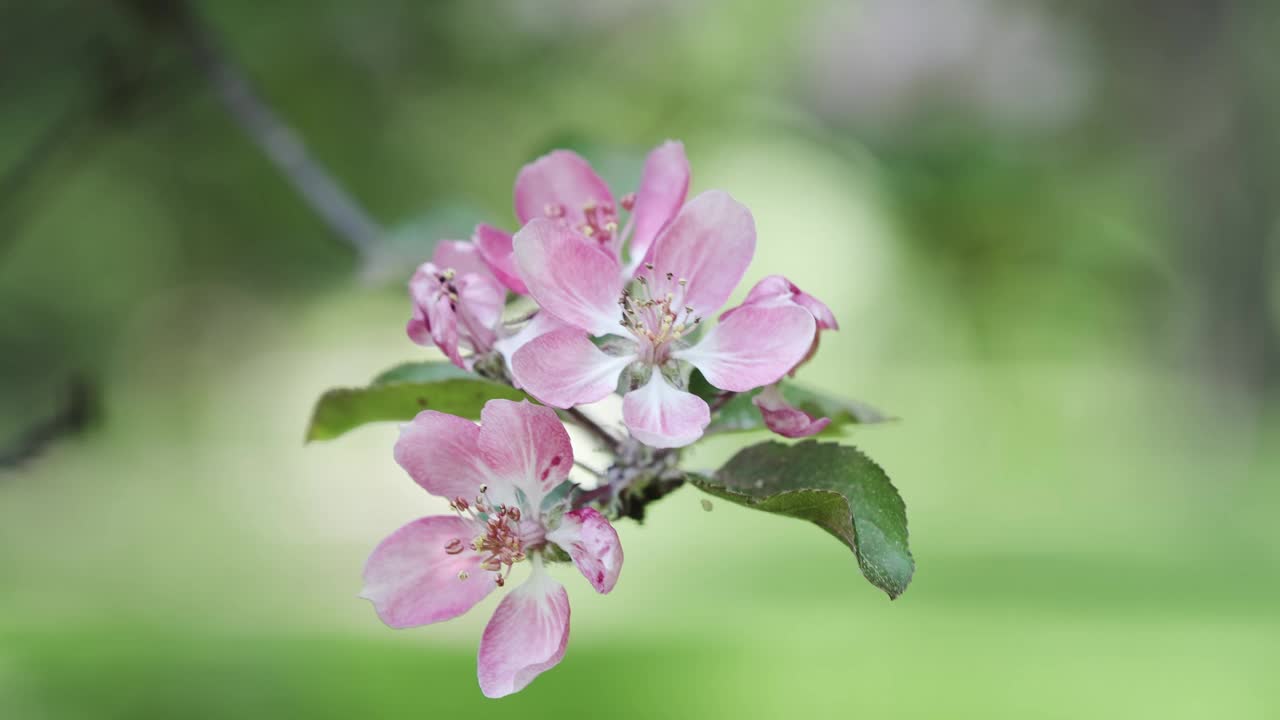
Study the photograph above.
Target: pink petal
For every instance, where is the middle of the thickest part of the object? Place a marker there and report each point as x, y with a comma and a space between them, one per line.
479, 310
784, 418
564, 368
571, 279
540, 325
710, 244
527, 445
663, 188
776, 289
411, 580
496, 250
562, 182
461, 257
754, 345
661, 416
441, 453
433, 319
526, 636
593, 544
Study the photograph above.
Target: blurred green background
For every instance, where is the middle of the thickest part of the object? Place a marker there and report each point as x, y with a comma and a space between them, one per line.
1049, 231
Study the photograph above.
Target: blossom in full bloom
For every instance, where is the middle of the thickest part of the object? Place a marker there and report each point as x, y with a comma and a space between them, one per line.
644, 321
562, 186
457, 303
499, 479
779, 415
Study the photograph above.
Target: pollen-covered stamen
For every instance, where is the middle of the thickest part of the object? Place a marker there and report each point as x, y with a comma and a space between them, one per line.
447, 287
601, 222
660, 318
501, 539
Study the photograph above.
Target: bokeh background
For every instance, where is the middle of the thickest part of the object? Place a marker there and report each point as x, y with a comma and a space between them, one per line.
1049, 231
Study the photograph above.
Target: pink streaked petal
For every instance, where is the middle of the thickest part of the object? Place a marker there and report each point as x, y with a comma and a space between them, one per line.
710, 244
481, 300
525, 444
540, 325
459, 256
560, 179
755, 345
784, 418
571, 279
442, 454
776, 289
496, 250
594, 546
661, 416
411, 580
663, 188
564, 368
433, 319
527, 636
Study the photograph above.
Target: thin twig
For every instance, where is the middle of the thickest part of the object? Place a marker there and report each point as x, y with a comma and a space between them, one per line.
313, 183
590, 496
599, 475
722, 400
590, 425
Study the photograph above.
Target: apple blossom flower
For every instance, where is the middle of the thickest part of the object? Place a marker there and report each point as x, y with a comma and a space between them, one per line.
457, 303
498, 478
563, 187
784, 418
779, 415
644, 324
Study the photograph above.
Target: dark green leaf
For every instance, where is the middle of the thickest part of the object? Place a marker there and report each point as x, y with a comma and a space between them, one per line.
700, 386
403, 392
739, 414
835, 486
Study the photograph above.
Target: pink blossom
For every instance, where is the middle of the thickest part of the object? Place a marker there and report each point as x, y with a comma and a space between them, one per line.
498, 478
457, 302
779, 415
691, 268
784, 418
562, 186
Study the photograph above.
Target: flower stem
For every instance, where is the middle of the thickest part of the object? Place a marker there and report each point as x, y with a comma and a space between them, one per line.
722, 400
586, 423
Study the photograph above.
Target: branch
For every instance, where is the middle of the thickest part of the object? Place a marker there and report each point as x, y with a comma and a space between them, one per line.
581, 419
285, 149
73, 416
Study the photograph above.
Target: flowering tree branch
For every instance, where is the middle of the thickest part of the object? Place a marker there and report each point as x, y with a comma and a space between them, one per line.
317, 187
620, 310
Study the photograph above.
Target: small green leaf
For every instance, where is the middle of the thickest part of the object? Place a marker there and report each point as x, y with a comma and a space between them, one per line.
401, 393
423, 372
739, 414
834, 486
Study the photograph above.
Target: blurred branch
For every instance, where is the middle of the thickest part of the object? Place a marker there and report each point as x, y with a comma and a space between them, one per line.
280, 143
72, 417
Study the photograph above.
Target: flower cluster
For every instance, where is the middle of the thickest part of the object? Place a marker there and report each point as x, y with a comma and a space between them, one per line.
625, 294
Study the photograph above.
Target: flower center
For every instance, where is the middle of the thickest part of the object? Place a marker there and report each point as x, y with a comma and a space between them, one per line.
447, 287
600, 220
501, 539
657, 317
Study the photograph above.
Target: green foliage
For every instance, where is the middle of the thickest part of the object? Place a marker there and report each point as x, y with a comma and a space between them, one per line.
401, 393
739, 414
834, 486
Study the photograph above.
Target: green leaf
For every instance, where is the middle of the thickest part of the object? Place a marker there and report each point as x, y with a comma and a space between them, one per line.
834, 486
401, 393
739, 414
